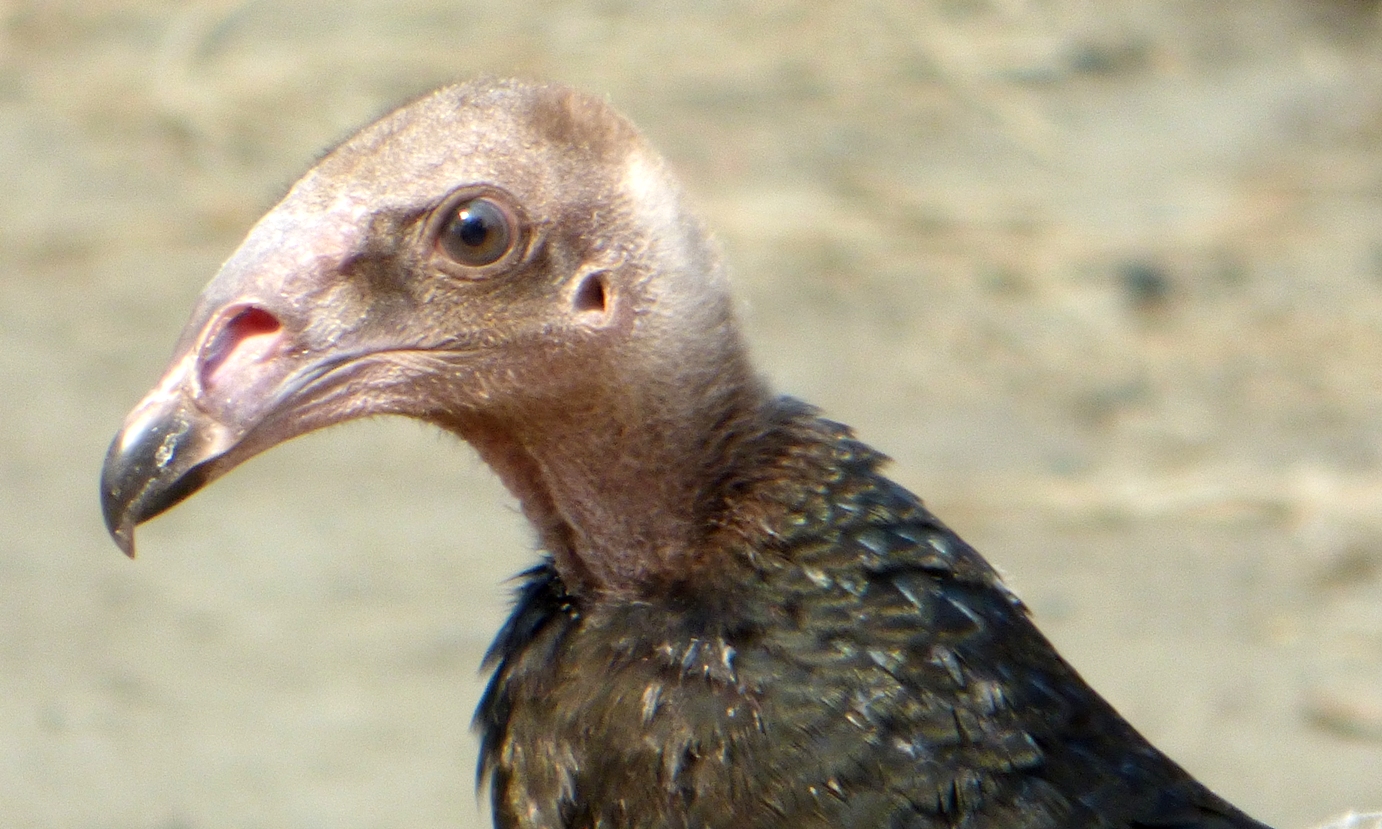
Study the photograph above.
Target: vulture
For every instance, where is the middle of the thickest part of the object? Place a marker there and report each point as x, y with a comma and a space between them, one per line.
736, 621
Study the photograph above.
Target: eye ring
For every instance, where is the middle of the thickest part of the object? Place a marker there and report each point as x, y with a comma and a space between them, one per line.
476, 230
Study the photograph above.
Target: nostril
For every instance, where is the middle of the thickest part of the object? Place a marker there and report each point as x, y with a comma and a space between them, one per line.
252, 322
246, 337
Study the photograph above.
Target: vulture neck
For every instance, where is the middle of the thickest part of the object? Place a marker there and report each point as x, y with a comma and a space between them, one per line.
625, 486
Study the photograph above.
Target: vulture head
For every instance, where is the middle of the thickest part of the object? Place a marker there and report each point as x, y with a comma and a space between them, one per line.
508, 261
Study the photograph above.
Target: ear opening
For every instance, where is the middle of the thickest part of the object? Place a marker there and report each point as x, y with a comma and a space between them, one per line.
592, 295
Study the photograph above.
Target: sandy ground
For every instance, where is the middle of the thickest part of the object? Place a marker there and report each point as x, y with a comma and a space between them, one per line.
1104, 278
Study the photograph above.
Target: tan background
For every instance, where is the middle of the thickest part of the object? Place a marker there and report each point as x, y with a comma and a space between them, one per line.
1104, 277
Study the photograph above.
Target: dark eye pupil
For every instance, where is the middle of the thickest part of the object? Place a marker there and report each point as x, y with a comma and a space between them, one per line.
472, 228
478, 233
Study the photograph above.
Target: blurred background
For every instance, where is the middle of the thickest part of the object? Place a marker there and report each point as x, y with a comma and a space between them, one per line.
1104, 277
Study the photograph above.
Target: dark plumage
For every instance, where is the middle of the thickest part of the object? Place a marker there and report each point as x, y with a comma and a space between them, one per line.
738, 620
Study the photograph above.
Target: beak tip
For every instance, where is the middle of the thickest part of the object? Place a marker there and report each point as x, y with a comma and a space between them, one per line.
119, 521
123, 536
149, 473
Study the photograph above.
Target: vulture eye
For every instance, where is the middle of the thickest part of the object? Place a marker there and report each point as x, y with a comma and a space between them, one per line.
478, 232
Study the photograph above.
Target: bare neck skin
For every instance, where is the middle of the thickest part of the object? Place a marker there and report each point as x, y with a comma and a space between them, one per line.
622, 489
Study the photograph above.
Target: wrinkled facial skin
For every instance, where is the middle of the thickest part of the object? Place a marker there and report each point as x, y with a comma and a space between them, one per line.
341, 303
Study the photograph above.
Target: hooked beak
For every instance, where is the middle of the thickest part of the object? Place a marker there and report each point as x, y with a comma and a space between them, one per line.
225, 383
274, 349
